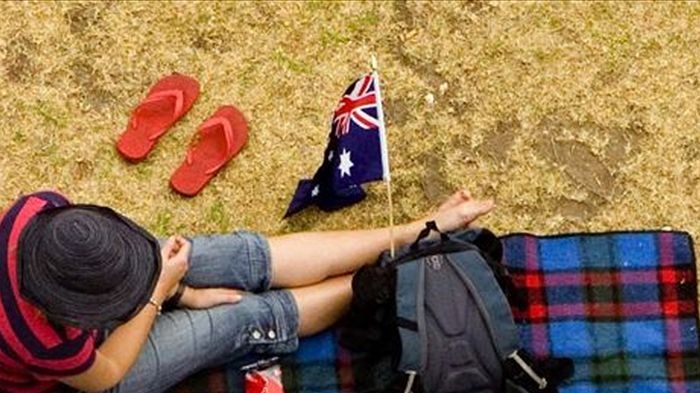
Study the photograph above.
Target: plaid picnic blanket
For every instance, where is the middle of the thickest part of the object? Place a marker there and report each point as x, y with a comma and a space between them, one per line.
623, 305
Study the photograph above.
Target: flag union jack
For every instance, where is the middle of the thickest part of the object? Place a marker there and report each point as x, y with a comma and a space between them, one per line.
357, 107
355, 153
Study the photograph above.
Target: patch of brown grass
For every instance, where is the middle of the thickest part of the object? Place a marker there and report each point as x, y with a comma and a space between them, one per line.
575, 117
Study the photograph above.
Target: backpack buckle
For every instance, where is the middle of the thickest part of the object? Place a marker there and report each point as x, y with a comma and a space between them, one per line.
540, 381
411, 380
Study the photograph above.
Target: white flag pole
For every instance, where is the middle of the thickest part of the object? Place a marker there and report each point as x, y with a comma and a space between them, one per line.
385, 156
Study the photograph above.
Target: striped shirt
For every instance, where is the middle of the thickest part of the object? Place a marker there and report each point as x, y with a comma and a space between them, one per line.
34, 353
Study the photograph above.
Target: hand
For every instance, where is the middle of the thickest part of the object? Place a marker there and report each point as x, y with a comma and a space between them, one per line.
459, 211
175, 256
209, 297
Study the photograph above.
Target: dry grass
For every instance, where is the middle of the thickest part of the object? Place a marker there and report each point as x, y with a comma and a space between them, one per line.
575, 117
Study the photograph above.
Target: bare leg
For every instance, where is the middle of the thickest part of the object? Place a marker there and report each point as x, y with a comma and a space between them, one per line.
310, 257
306, 258
322, 304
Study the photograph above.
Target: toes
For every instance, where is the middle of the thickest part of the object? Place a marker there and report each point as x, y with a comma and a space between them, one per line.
465, 194
472, 210
482, 207
456, 198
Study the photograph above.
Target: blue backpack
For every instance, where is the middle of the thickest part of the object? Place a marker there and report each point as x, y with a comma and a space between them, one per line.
441, 308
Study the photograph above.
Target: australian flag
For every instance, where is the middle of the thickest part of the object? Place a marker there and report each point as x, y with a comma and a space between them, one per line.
356, 151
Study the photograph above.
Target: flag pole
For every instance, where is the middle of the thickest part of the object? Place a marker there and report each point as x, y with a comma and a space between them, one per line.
385, 157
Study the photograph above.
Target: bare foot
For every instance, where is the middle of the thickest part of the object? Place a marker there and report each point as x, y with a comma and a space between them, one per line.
459, 211
455, 199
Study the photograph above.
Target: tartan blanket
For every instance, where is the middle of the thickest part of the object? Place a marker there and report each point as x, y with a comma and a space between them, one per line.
623, 305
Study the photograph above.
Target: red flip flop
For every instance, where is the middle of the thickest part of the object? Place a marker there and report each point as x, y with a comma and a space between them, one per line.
218, 140
167, 101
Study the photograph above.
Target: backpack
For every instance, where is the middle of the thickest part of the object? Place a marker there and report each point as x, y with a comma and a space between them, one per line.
442, 310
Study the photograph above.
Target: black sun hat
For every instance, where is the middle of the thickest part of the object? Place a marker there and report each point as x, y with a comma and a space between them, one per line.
87, 266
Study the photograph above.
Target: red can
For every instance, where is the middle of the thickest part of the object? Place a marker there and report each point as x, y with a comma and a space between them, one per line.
268, 380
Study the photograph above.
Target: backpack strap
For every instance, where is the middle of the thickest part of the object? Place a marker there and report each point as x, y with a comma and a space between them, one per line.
409, 314
494, 307
430, 226
492, 252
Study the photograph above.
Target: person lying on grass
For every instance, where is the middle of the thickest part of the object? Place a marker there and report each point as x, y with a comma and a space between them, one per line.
93, 302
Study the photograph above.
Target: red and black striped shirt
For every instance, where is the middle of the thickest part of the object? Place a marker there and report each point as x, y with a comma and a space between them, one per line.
34, 353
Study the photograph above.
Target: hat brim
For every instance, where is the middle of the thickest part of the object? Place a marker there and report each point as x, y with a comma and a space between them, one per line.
61, 271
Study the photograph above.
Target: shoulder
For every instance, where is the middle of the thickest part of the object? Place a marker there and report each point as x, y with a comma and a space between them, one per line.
27, 337
42, 199
30, 205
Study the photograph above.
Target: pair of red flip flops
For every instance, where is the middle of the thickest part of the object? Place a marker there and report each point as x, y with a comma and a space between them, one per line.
219, 138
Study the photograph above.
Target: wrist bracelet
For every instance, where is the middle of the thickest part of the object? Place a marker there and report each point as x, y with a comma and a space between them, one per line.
155, 304
174, 300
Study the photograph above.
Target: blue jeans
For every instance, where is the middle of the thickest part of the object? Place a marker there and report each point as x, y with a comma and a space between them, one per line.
183, 342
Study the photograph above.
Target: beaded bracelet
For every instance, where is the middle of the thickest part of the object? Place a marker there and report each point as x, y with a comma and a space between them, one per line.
155, 304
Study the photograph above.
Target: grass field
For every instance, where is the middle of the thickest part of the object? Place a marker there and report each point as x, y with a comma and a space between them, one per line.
574, 117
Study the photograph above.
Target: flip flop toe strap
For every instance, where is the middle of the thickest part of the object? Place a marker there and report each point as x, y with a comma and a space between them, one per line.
160, 96
211, 125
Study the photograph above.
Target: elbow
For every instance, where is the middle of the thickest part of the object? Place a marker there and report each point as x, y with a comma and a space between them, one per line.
98, 389
102, 386
97, 379
107, 382
91, 386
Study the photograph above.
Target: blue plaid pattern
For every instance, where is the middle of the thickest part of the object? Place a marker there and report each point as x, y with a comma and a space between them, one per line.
622, 305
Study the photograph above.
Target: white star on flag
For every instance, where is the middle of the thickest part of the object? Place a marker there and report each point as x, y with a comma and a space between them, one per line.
330, 156
315, 191
345, 163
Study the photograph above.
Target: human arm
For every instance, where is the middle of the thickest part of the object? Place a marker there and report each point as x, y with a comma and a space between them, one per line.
200, 298
119, 352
